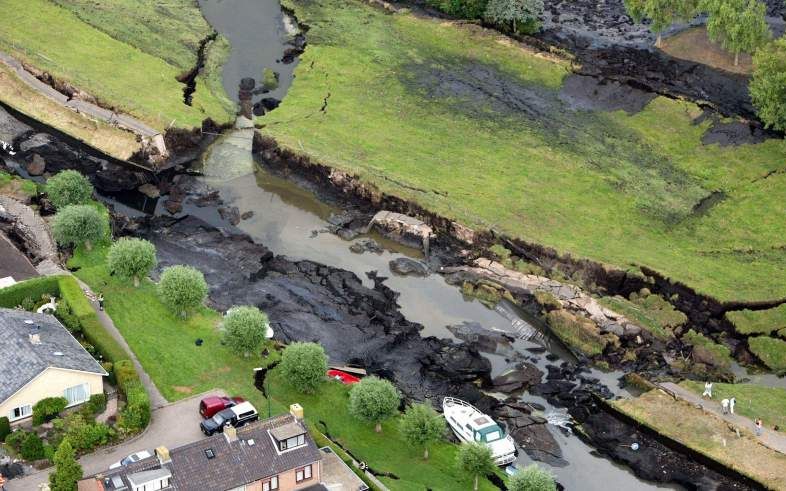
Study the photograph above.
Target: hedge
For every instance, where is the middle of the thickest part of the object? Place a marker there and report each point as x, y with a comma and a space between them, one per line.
14, 295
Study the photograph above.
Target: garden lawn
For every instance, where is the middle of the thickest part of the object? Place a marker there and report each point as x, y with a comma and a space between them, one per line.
125, 71
164, 344
405, 114
753, 401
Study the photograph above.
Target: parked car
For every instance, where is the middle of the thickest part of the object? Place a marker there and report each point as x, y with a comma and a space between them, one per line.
236, 416
212, 404
343, 377
134, 457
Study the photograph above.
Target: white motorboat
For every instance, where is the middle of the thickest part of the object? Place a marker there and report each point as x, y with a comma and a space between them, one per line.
471, 425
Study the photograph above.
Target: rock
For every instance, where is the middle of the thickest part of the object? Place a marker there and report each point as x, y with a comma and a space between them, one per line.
552, 387
246, 215
113, 178
36, 166
347, 233
149, 190
196, 190
522, 376
484, 340
405, 266
613, 328
269, 103
538, 442
630, 330
231, 214
172, 206
366, 245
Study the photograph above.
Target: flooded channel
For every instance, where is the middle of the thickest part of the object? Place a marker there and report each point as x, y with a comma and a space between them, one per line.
292, 221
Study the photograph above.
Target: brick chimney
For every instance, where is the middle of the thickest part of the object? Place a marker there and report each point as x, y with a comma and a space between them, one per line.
296, 410
230, 433
163, 455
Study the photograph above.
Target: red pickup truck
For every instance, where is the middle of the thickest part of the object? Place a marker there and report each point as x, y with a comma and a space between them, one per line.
210, 405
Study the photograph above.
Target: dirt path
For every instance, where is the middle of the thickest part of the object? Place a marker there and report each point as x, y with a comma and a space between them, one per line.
769, 438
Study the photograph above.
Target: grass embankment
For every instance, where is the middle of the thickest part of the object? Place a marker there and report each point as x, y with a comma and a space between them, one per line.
753, 401
707, 435
16, 187
108, 139
164, 344
771, 351
428, 111
131, 63
758, 321
649, 311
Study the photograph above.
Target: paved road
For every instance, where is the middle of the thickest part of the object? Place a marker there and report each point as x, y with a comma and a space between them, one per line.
172, 426
769, 438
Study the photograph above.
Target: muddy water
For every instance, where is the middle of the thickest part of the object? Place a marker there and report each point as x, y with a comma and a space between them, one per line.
258, 32
292, 221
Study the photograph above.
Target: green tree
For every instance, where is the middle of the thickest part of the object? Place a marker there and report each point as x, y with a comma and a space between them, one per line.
739, 25
768, 86
532, 478
304, 366
131, 258
515, 12
69, 188
661, 13
244, 328
421, 426
374, 399
476, 460
77, 225
67, 469
182, 288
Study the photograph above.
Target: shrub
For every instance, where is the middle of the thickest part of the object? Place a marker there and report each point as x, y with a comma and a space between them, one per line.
85, 435
77, 225
5, 428
125, 373
32, 447
532, 478
15, 295
46, 409
475, 459
421, 425
304, 366
244, 329
373, 400
15, 439
66, 316
182, 288
69, 187
519, 13
67, 469
136, 414
96, 404
131, 258
465, 9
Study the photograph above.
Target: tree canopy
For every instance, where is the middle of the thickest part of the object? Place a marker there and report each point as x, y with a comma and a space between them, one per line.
768, 86
661, 13
421, 425
532, 478
69, 187
304, 366
515, 12
244, 329
79, 224
476, 460
739, 25
374, 400
182, 288
131, 258
67, 469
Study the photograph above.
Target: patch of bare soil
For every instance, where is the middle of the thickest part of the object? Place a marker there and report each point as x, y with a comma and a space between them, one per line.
694, 45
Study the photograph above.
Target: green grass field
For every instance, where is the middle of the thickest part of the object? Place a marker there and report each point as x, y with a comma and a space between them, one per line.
771, 351
131, 63
423, 109
758, 321
164, 344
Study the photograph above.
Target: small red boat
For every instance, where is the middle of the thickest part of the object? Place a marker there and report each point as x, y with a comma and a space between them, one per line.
342, 377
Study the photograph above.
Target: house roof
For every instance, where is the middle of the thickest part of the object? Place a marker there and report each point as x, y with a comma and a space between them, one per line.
253, 456
21, 360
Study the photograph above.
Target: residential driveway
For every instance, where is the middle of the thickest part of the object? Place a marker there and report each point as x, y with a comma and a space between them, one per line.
172, 426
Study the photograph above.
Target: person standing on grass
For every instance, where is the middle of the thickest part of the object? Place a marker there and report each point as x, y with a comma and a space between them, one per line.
725, 406
707, 389
101, 301
758, 426
732, 402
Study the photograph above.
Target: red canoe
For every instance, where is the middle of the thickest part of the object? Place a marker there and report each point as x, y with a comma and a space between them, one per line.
342, 377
